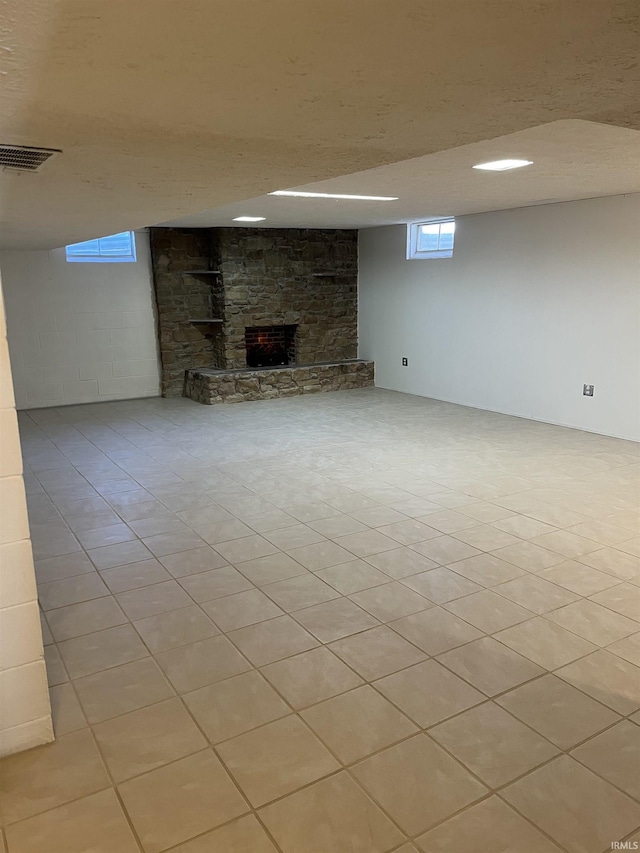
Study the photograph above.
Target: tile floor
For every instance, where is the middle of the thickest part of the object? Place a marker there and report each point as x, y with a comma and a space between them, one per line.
360, 622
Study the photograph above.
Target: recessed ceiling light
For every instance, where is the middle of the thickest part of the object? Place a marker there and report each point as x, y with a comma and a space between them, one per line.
503, 165
296, 194
249, 218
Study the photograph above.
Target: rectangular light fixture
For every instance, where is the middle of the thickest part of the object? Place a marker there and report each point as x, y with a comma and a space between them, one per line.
503, 165
297, 194
249, 219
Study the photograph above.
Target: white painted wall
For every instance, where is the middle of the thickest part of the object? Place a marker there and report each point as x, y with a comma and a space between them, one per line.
25, 713
79, 332
534, 303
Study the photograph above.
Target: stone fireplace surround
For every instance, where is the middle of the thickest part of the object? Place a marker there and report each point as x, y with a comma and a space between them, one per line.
214, 284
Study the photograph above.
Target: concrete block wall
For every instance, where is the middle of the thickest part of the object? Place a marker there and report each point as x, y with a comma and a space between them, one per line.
80, 332
25, 713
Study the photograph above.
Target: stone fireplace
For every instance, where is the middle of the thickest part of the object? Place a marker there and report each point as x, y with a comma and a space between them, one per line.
232, 300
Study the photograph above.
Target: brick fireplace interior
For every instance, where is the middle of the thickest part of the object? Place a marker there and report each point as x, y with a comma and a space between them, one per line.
270, 346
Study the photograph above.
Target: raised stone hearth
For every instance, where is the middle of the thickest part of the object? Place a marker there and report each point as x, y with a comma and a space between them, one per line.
236, 386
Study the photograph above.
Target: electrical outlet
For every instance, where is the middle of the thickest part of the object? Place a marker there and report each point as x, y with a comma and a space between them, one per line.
405, 362
587, 390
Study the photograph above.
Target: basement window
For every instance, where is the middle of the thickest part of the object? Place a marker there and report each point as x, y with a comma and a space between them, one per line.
116, 249
431, 239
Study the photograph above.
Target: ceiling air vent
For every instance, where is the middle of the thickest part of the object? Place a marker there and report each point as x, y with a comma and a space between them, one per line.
23, 158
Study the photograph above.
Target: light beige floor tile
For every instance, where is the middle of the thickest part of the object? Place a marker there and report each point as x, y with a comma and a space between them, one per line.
276, 759
377, 652
605, 534
310, 511
311, 677
577, 809
322, 555
630, 546
614, 755
58, 568
172, 543
235, 705
485, 512
101, 536
390, 601
177, 802
449, 521
628, 649
351, 502
523, 526
301, 591
269, 641
489, 666
428, 693
271, 569
48, 776
613, 562
205, 586
148, 738
242, 609
409, 531
535, 593
488, 827
486, 570
218, 532
441, 585
545, 643
328, 815
192, 562
294, 537
65, 710
624, 599
530, 557
417, 783
335, 619
594, 622
578, 578
123, 578
175, 628
96, 823
379, 516
71, 591
401, 562
247, 548
445, 549
201, 663
242, 836
435, 630
353, 576
492, 744
568, 544
271, 519
367, 543
92, 520
485, 537
119, 555
121, 689
85, 618
488, 611
56, 670
152, 600
146, 527
608, 678
101, 650
357, 723
337, 525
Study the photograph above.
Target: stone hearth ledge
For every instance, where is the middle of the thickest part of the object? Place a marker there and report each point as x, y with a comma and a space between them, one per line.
211, 386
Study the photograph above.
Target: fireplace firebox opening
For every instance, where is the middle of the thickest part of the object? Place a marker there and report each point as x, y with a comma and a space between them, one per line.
270, 346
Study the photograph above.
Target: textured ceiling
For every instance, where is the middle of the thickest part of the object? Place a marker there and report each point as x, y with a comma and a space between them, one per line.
164, 108
571, 159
